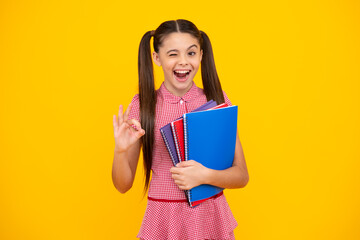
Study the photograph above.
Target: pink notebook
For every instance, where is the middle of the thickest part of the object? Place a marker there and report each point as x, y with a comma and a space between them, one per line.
177, 128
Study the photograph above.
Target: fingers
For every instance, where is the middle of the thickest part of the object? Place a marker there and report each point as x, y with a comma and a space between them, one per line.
186, 163
179, 179
180, 184
136, 123
123, 117
137, 127
175, 170
126, 114
183, 187
140, 133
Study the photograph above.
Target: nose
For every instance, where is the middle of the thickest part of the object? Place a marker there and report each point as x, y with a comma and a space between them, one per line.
183, 60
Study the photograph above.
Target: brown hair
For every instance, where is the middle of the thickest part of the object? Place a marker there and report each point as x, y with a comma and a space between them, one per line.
147, 93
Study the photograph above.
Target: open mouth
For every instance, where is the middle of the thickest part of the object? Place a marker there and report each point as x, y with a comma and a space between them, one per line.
182, 75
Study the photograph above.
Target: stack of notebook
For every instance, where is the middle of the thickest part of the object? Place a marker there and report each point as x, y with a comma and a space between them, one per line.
206, 135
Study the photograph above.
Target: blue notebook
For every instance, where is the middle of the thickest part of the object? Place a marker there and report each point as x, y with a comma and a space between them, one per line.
210, 139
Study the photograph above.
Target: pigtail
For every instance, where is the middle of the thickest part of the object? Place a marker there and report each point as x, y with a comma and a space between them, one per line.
210, 78
147, 97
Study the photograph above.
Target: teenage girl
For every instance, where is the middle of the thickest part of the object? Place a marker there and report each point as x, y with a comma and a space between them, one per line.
179, 49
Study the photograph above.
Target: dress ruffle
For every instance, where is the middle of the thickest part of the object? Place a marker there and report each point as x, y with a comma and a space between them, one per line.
211, 219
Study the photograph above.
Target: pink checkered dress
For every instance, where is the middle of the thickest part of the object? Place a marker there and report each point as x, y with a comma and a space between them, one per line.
166, 217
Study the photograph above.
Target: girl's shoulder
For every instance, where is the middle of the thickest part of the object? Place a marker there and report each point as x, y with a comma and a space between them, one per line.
135, 99
227, 100
135, 108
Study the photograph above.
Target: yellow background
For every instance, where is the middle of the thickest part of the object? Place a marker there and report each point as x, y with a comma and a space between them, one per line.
292, 67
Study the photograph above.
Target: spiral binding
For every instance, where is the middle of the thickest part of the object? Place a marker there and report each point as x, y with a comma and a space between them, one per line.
178, 147
185, 138
173, 160
168, 147
186, 153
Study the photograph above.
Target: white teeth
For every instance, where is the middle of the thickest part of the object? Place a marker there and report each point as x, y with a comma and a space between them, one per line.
182, 71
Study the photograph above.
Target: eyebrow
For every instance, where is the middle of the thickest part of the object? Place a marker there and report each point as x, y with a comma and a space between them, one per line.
194, 45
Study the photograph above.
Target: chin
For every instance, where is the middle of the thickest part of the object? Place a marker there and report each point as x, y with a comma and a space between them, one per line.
184, 85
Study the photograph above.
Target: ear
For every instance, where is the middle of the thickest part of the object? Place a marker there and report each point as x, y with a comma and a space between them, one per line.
156, 58
201, 54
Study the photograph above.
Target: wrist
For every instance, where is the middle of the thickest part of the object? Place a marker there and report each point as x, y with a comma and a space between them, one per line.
207, 173
119, 151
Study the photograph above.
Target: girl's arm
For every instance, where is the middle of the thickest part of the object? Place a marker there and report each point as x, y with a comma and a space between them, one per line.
190, 174
124, 167
127, 150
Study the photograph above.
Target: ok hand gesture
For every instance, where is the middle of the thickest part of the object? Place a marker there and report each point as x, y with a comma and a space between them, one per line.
126, 132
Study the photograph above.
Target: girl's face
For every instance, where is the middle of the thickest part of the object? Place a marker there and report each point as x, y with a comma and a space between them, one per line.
180, 57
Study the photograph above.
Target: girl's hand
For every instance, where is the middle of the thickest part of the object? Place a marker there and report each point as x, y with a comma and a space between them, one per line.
189, 174
125, 134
